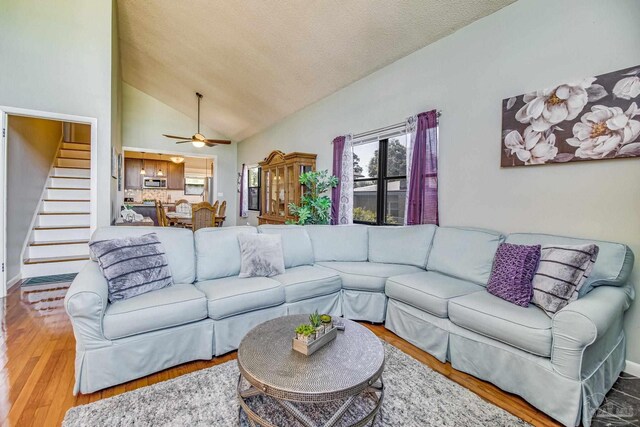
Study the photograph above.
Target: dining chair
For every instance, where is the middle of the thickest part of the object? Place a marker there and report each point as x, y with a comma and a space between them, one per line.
202, 216
215, 207
163, 221
183, 206
220, 216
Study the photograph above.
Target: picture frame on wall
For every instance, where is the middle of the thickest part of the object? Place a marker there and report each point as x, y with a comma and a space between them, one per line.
114, 163
595, 118
120, 164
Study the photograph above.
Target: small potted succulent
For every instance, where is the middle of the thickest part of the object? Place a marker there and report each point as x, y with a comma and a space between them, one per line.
305, 333
316, 322
327, 322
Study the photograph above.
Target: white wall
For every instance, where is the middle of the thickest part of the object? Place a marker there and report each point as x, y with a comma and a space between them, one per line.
528, 45
145, 119
56, 57
31, 148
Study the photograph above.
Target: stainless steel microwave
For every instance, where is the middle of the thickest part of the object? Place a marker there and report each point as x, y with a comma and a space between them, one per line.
154, 183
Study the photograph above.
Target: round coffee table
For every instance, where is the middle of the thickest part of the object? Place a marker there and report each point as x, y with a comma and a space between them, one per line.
345, 368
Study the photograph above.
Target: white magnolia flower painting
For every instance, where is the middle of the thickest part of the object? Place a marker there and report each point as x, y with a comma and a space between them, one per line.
590, 119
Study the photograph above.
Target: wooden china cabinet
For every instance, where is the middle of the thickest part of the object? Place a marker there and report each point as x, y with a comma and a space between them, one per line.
280, 184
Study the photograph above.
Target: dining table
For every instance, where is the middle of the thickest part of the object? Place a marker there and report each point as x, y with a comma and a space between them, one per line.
183, 219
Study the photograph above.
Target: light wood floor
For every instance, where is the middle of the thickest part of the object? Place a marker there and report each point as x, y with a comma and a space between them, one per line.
37, 356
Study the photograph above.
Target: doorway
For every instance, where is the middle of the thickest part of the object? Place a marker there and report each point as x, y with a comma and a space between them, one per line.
47, 193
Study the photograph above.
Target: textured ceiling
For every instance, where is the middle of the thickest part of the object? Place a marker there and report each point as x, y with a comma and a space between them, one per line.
258, 61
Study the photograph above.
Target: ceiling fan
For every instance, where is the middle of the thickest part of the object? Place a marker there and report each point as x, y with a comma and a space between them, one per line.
198, 140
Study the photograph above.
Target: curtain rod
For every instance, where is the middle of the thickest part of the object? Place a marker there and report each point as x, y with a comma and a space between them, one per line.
384, 129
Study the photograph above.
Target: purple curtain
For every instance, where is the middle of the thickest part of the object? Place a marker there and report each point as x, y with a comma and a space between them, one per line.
422, 204
338, 148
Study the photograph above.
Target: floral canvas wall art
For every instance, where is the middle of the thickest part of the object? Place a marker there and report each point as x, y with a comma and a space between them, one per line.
590, 119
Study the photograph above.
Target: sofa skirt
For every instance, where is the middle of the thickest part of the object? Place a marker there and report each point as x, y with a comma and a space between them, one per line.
327, 304
229, 332
425, 331
532, 377
361, 305
135, 357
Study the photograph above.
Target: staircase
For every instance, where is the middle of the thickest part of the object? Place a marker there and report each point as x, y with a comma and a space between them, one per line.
58, 243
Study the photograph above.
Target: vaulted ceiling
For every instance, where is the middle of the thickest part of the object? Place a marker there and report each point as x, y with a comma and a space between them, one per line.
258, 61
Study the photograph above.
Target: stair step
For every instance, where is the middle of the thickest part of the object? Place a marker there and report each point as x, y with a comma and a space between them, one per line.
76, 142
66, 153
68, 193
55, 259
61, 227
79, 172
73, 163
60, 242
69, 177
76, 146
52, 206
63, 213
52, 268
55, 250
66, 200
63, 219
69, 183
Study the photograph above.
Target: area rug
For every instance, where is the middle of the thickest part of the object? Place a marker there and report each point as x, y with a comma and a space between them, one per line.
415, 395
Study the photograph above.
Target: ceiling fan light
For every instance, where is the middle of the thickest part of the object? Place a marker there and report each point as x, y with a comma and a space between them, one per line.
198, 144
177, 159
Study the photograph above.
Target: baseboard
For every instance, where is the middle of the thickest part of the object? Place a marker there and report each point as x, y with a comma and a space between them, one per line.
13, 281
632, 368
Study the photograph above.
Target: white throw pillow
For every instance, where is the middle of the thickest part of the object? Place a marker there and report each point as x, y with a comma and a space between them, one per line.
261, 255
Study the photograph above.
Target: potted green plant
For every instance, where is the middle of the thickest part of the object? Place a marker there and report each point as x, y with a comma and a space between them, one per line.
327, 322
315, 206
305, 333
316, 322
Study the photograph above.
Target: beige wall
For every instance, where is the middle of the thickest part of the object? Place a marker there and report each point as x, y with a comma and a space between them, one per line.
31, 149
145, 119
528, 45
56, 57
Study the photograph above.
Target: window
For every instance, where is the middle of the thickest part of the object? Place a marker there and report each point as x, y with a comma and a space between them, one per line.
380, 181
253, 188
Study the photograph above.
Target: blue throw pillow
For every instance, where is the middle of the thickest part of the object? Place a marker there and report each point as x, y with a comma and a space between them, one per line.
132, 265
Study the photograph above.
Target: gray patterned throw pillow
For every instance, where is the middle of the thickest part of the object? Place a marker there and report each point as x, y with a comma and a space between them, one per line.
562, 271
261, 255
132, 265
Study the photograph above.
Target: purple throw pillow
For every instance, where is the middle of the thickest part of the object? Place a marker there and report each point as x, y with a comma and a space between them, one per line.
513, 269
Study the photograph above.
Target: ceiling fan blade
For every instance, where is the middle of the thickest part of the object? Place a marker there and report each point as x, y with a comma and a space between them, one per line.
182, 142
218, 141
177, 137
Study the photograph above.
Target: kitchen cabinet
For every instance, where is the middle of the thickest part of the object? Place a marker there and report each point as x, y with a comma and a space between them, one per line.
175, 176
150, 167
132, 177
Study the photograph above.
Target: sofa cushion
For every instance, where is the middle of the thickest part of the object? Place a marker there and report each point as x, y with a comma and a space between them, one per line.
218, 251
230, 296
178, 244
401, 245
528, 329
464, 253
429, 291
296, 243
612, 268
367, 276
339, 242
164, 308
308, 281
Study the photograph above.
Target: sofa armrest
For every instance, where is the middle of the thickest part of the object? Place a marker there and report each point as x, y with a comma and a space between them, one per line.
595, 318
85, 303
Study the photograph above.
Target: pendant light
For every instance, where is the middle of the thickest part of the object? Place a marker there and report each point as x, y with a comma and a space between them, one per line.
160, 173
142, 171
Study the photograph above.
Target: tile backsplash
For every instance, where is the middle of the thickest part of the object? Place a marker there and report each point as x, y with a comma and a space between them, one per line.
165, 196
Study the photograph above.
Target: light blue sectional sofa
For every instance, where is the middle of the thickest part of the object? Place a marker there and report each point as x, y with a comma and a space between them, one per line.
426, 283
